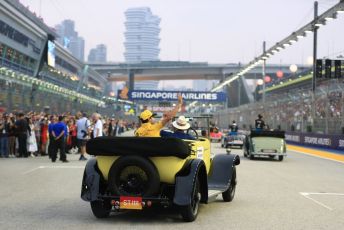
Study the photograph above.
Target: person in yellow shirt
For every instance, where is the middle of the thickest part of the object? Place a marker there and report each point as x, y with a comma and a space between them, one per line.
149, 127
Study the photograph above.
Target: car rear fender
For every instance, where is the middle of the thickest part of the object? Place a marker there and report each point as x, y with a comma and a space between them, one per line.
186, 179
221, 171
248, 144
90, 181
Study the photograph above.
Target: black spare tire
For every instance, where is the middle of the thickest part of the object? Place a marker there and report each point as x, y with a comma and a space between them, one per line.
133, 176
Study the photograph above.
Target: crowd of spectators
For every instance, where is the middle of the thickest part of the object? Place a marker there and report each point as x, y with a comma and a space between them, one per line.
293, 110
34, 134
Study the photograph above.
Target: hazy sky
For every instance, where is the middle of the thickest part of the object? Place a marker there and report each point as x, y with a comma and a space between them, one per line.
216, 31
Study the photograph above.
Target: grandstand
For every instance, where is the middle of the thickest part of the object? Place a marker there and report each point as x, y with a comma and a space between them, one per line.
291, 108
27, 81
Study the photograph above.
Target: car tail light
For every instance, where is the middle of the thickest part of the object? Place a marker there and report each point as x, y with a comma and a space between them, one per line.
149, 203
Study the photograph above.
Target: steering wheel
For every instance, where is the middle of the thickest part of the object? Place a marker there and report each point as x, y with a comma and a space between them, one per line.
192, 132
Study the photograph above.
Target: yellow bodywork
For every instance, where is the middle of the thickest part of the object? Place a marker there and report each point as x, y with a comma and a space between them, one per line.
167, 166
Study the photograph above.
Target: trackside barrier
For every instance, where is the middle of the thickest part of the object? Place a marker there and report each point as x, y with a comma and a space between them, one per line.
316, 140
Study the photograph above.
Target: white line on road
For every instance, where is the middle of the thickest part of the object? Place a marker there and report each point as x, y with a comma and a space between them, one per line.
307, 195
62, 167
30, 171
322, 193
54, 167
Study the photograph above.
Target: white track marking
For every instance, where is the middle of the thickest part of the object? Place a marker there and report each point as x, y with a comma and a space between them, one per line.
323, 193
307, 195
30, 171
62, 167
54, 167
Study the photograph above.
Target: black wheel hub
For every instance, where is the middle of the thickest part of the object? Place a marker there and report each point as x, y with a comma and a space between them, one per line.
132, 181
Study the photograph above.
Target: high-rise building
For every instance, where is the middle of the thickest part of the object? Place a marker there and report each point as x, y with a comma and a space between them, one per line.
92, 55
69, 28
142, 35
142, 40
97, 54
77, 47
69, 38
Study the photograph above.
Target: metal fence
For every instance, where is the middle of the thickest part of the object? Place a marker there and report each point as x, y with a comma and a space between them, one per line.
295, 110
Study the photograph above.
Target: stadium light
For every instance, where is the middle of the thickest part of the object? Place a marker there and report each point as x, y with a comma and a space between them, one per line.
293, 68
320, 23
301, 35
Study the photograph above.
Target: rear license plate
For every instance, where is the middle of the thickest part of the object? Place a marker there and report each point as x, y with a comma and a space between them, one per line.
129, 202
269, 151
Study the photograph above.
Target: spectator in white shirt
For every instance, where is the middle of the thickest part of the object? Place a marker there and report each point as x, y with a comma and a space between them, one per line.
98, 125
83, 129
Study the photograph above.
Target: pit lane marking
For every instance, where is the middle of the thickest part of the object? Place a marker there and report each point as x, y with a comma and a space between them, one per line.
54, 167
307, 195
317, 153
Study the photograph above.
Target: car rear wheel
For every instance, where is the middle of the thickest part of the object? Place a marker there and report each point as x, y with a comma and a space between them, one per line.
134, 176
228, 195
280, 158
190, 212
100, 208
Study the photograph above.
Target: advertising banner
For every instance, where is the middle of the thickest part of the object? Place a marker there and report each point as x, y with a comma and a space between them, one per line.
149, 95
51, 54
316, 140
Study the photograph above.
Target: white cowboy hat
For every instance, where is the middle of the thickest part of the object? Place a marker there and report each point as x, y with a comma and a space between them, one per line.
181, 123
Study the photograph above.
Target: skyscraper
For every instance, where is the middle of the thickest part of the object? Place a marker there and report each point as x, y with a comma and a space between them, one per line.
97, 54
69, 38
141, 36
77, 47
142, 40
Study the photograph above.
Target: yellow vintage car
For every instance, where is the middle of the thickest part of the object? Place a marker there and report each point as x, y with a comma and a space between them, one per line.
142, 172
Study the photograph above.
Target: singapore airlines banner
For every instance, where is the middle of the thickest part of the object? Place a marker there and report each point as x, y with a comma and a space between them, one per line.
172, 96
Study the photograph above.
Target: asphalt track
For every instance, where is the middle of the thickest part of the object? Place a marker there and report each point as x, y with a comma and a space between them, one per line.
301, 192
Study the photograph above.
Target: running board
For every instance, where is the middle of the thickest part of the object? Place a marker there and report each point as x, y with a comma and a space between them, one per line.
212, 194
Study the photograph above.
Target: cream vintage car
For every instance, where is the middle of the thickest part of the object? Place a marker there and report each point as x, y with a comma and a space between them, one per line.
268, 143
